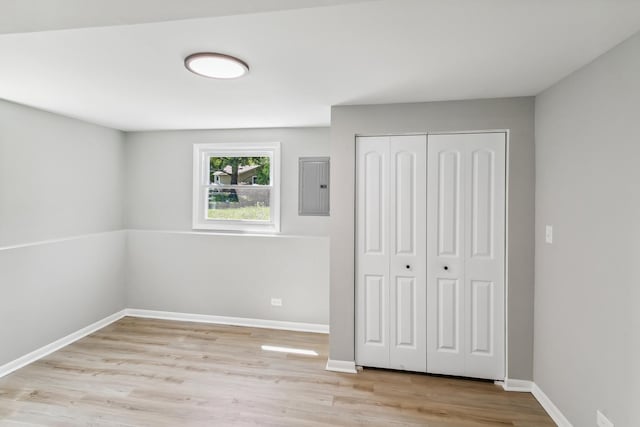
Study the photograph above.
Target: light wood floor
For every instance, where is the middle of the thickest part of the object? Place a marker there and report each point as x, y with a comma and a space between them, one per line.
142, 372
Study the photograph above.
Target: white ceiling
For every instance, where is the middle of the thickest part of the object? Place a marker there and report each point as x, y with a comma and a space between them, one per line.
302, 61
19, 16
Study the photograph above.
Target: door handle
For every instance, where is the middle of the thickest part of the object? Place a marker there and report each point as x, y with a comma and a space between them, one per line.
408, 267
446, 268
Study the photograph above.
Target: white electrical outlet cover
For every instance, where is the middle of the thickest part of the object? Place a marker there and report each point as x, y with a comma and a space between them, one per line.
276, 302
548, 234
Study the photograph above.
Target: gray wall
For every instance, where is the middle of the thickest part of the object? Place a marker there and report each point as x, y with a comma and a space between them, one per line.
516, 114
214, 273
230, 275
160, 175
587, 300
65, 260
52, 289
60, 179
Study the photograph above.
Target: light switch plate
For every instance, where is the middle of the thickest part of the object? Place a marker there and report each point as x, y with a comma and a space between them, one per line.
548, 234
602, 420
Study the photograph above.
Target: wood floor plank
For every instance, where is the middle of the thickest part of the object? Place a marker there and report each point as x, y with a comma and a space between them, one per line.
146, 372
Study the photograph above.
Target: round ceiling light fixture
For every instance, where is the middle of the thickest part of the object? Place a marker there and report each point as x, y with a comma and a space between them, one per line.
216, 65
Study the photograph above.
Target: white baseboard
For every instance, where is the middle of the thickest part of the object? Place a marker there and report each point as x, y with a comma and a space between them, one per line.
345, 366
548, 406
7, 368
224, 320
511, 384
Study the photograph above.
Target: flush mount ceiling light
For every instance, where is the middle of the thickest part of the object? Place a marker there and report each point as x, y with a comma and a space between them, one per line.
216, 65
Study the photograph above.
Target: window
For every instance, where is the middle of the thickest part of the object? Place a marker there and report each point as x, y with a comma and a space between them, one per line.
236, 187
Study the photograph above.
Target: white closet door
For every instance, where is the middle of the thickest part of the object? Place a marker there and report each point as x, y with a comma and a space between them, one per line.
372, 252
465, 284
445, 258
484, 260
408, 251
391, 252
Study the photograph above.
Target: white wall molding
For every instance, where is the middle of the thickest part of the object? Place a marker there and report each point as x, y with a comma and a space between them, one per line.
549, 406
234, 321
511, 384
41, 352
214, 233
344, 366
59, 240
195, 233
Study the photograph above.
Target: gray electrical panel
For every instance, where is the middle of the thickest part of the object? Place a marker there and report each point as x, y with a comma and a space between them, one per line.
313, 186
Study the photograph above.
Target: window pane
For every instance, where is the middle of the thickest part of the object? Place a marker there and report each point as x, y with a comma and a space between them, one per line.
239, 170
248, 203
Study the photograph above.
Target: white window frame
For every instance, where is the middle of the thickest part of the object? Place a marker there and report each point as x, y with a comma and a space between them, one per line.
201, 155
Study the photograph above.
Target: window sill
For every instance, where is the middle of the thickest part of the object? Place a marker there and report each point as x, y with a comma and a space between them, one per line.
238, 228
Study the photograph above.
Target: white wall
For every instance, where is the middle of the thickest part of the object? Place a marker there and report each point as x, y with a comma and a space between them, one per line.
61, 256
587, 293
221, 274
515, 114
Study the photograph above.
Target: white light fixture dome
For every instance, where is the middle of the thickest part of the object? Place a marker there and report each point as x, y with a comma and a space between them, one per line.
216, 65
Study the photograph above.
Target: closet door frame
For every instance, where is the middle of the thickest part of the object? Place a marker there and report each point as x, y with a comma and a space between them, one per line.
506, 222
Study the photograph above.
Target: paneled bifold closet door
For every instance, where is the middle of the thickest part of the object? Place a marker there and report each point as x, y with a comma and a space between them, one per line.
391, 252
430, 290
465, 255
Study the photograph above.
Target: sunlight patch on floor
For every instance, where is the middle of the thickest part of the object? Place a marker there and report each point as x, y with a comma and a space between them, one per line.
289, 350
